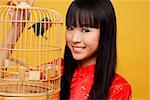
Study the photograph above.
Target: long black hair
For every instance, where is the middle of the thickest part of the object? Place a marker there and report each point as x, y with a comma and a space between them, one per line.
97, 14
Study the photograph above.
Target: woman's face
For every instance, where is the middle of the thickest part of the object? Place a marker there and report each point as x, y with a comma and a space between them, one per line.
83, 42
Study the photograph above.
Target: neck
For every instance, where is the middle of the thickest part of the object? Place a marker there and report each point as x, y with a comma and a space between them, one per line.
87, 62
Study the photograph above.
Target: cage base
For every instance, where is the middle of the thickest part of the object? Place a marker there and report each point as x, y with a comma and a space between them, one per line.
55, 96
52, 97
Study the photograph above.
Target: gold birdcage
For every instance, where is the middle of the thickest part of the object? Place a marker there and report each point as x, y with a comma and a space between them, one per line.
30, 53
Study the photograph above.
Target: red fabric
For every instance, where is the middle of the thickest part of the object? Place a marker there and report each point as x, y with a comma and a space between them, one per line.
83, 80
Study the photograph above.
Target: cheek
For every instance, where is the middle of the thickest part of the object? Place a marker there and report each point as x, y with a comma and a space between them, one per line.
93, 40
97, 40
68, 40
68, 37
95, 43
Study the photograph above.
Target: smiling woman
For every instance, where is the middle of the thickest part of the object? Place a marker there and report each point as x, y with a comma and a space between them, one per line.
80, 41
90, 54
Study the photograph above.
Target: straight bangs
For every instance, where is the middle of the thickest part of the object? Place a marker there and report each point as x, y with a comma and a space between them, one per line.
82, 17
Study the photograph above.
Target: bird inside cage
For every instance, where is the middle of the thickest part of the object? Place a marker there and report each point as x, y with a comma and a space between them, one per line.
41, 27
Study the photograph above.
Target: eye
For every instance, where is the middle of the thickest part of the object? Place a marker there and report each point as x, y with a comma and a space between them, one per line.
69, 28
85, 29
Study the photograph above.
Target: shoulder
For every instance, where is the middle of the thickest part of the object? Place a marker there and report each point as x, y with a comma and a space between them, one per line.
120, 89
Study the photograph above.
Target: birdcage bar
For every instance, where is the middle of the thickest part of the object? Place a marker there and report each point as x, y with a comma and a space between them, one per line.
14, 76
33, 64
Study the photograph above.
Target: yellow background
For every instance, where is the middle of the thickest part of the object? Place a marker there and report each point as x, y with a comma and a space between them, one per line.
132, 41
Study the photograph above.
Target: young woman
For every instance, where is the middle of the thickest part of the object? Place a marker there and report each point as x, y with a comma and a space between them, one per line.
90, 54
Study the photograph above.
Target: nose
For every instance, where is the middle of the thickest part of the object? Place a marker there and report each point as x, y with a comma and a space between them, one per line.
76, 37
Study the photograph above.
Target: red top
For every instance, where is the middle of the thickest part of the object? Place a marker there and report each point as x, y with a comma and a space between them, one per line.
83, 80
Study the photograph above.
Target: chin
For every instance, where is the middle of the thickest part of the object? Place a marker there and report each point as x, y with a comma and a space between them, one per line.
77, 58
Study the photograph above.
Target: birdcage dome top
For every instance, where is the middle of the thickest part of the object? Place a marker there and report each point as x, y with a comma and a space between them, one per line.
36, 14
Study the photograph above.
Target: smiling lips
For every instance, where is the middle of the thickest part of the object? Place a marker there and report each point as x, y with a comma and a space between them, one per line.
78, 49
